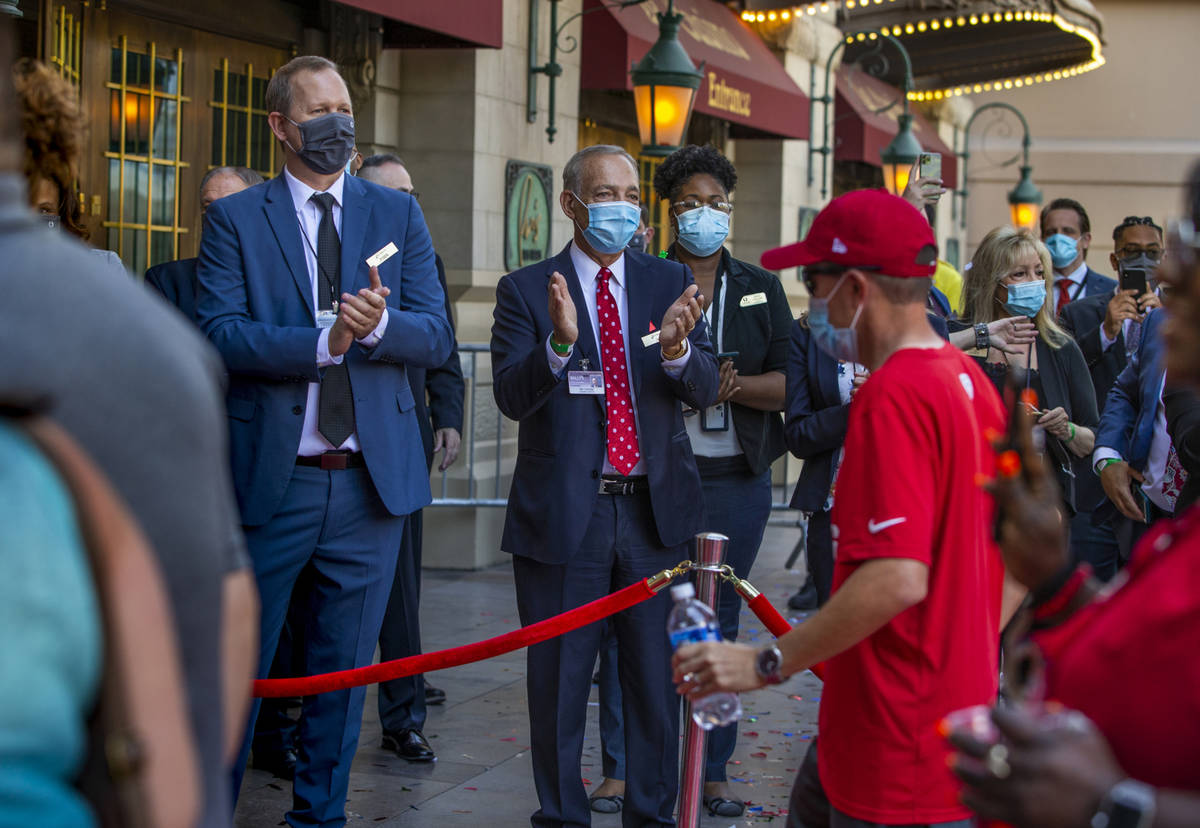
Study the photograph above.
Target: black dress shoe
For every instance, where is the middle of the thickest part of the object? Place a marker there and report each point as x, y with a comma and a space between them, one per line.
409, 744
803, 601
281, 763
434, 695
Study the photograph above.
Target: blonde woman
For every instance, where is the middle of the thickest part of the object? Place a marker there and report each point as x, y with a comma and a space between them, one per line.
1011, 275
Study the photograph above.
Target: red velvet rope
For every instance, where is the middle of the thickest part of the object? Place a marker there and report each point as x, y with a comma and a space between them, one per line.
777, 624
480, 650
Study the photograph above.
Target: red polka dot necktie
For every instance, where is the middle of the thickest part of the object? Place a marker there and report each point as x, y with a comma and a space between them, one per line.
623, 450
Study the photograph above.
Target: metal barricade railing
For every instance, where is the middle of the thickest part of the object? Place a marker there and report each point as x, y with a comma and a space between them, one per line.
479, 414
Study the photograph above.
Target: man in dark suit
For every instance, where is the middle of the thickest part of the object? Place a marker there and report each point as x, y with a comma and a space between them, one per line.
318, 290
593, 353
1099, 323
176, 281
1067, 232
1138, 466
402, 701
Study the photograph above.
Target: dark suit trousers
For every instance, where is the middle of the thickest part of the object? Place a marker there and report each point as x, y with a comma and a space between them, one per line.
620, 548
402, 700
334, 524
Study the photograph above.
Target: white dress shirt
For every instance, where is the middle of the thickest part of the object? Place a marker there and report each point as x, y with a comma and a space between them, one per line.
587, 270
308, 214
1078, 289
1155, 472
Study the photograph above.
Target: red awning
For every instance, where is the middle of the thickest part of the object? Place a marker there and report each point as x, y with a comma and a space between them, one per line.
743, 82
861, 131
471, 22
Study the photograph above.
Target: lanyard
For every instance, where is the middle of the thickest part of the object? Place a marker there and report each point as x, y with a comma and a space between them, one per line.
715, 313
323, 276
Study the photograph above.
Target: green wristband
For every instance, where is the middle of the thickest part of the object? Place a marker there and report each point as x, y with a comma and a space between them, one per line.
1072, 437
561, 350
1108, 461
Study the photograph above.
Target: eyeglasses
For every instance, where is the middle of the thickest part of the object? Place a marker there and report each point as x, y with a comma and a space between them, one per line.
412, 193
1154, 252
693, 204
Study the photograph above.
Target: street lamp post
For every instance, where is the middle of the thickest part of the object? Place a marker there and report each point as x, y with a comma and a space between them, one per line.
899, 155
664, 88
1025, 199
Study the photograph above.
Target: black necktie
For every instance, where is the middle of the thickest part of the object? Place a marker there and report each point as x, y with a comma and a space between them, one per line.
335, 412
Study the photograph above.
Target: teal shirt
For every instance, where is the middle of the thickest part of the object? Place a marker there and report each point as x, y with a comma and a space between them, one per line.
50, 643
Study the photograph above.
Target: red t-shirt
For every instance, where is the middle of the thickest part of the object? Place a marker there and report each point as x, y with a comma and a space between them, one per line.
1131, 659
908, 488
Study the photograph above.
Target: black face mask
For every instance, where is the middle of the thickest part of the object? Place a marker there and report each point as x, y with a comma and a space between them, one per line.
328, 142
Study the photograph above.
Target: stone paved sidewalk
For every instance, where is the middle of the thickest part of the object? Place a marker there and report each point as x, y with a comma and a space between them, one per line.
481, 734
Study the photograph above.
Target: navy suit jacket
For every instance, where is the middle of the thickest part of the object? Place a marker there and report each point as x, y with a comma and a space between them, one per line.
561, 441
176, 282
1127, 424
1093, 284
444, 385
255, 303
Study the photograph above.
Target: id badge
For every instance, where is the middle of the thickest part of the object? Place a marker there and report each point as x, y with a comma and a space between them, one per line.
585, 382
326, 318
715, 417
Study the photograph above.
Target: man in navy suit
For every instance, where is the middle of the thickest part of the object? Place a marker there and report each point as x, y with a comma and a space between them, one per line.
1067, 232
594, 351
176, 281
1099, 323
1137, 464
319, 290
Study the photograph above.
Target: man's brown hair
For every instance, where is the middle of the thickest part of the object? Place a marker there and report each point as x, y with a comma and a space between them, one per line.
279, 89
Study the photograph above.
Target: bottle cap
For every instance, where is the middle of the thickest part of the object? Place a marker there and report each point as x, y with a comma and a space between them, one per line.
681, 592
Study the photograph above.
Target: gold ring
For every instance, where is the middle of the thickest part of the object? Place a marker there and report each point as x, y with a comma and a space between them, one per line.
997, 762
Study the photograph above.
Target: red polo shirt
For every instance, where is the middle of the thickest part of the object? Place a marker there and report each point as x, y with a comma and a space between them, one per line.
908, 488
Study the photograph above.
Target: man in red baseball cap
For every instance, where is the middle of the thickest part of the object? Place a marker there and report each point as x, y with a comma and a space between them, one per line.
911, 631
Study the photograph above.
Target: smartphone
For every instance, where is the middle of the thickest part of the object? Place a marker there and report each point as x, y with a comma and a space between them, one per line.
930, 165
727, 355
1133, 278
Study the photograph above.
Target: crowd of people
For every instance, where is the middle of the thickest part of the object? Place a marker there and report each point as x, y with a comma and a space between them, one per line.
1012, 451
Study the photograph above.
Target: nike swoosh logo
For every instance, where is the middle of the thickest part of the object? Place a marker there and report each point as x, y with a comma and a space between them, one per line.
875, 528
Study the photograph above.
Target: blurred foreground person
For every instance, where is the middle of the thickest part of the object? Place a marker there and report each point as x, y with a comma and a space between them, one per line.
89, 667
135, 385
1129, 752
912, 629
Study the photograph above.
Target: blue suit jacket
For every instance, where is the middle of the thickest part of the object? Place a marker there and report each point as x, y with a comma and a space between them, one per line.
814, 426
1127, 424
561, 442
255, 302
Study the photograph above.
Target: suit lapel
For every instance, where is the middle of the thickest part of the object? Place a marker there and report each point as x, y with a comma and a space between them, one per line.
637, 294
281, 215
355, 211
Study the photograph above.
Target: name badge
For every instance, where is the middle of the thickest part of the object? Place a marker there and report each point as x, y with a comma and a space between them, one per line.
650, 339
752, 299
384, 254
585, 382
325, 319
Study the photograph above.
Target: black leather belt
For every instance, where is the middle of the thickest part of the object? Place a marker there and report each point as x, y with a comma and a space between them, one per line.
615, 484
334, 460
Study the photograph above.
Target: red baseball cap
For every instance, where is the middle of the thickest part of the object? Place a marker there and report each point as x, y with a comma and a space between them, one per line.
864, 228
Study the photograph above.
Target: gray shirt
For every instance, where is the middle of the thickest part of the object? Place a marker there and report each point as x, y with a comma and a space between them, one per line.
139, 389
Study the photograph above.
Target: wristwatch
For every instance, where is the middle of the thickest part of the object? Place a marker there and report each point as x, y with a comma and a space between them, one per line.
982, 337
1129, 804
768, 663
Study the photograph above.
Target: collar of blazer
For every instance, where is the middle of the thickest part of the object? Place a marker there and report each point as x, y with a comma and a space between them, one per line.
281, 216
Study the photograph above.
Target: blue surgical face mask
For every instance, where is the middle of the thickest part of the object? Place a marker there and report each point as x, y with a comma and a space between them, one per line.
702, 231
611, 224
839, 343
328, 142
1026, 298
1063, 249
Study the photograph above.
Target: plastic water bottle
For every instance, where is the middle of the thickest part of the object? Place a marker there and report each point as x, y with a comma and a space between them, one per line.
692, 621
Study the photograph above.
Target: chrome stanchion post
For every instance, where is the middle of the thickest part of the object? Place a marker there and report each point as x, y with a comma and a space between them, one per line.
710, 554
